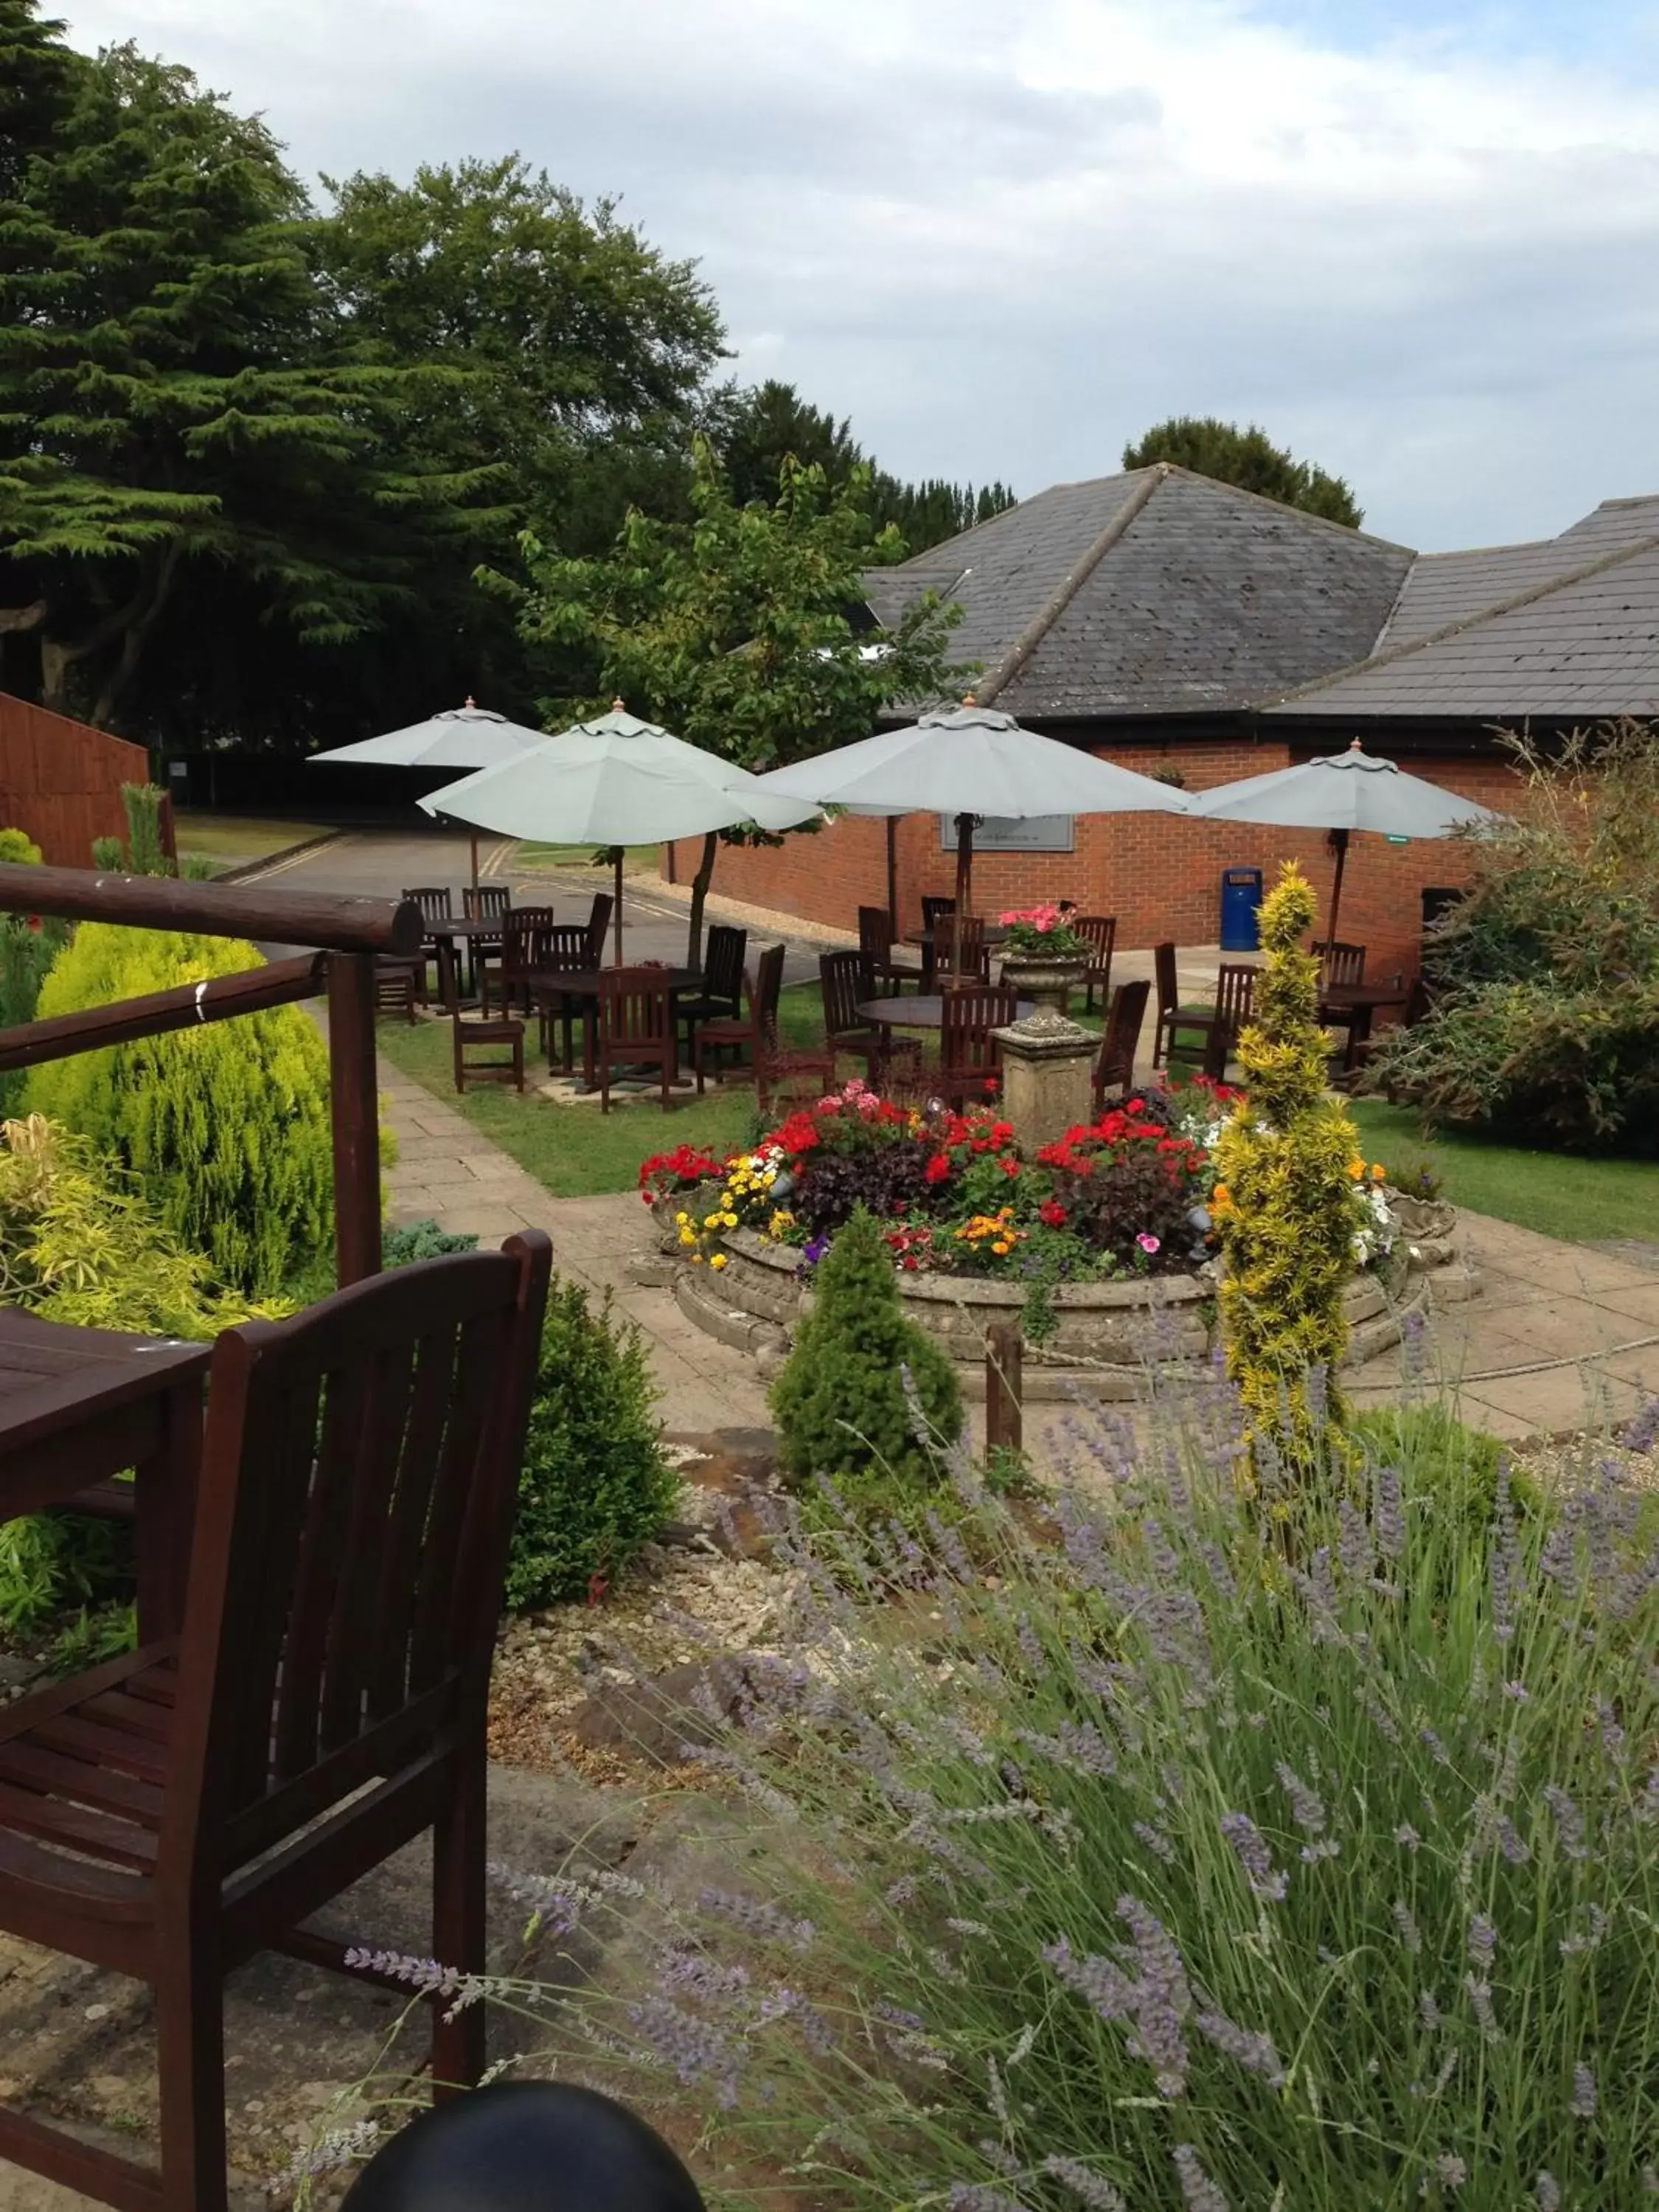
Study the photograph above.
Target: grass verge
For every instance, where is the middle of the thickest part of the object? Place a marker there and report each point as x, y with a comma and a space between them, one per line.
575, 1151
230, 839
1581, 1201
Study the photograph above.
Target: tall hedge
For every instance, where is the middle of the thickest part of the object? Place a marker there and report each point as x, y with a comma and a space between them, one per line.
225, 1127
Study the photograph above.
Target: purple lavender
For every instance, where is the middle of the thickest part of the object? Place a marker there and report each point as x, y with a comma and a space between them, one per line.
1250, 1849
1388, 1512
1482, 1940
1089, 2187
1254, 2053
1307, 1806
1198, 2193
1546, 2192
1569, 1821
1584, 2092
1410, 1935
693, 2049
756, 1918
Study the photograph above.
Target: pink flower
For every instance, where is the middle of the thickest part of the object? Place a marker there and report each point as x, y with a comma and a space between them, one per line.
1147, 1242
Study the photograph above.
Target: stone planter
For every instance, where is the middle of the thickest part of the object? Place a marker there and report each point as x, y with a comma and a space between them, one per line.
1106, 1334
1046, 977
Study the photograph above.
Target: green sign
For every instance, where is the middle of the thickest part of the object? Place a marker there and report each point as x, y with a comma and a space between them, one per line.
1392, 840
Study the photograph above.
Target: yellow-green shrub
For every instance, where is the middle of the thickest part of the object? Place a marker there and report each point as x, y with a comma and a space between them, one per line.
226, 1126
1285, 1203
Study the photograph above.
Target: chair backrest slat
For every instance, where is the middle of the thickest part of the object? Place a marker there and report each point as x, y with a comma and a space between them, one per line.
934, 910
1163, 971
844, 979
359, 1474
1341, 963
968, 1015
634, 1007
1114, 1069
875, 933
1235, 993
722, 967
565, 945
432, 900
486, 902
598, 921
767, 990
1100, 932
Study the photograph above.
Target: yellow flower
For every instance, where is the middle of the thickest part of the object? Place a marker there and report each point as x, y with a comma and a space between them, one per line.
681, 1219
697, 1259
1002, 1249
1377, 1172
688, 1235
1356, 1168
730, 1220
718, 1260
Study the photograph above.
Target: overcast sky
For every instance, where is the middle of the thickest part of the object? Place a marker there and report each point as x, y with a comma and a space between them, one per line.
1417, 240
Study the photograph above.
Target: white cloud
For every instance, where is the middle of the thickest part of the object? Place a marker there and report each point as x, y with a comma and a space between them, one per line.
1004, 240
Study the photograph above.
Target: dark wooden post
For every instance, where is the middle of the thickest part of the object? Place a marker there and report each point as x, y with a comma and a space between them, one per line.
1004, 1353
356, 1116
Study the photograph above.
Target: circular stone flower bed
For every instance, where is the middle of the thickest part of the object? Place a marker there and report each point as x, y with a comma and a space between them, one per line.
1101, 1246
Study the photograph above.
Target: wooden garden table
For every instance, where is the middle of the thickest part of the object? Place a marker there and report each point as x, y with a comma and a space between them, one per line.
80, 1405
587, 983
1358, 1003
924, 1012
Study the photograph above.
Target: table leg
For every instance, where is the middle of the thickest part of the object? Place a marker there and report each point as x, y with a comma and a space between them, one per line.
1359, 1031
165, 1514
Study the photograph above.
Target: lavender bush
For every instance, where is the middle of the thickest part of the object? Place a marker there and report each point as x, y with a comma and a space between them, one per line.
1191, 1856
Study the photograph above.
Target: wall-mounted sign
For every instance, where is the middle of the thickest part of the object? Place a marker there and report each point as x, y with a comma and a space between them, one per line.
996, 833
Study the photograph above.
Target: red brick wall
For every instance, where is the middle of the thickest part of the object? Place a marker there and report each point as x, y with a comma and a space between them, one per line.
61, 781
1159, 874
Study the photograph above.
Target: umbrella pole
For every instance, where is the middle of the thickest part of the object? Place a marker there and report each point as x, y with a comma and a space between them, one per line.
616, 852
964, 887
892, 870
475, 860
1339, 838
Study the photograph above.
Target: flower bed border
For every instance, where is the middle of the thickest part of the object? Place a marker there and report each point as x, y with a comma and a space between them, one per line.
1107, 1332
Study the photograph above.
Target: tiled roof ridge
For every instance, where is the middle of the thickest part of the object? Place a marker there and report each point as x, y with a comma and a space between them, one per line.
995, 679
1447, 630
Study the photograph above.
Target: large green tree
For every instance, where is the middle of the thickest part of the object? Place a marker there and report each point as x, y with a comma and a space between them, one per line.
177, 412
758, 429
1248, 459
739, 631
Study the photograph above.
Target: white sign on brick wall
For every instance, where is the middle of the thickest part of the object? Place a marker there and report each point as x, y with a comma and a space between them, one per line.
995, 833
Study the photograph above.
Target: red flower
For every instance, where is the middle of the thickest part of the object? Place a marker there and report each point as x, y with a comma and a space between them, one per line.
1010, 1168
1051, 1213
937, 1168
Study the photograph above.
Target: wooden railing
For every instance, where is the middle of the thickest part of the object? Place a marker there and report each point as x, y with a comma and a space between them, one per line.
343, 935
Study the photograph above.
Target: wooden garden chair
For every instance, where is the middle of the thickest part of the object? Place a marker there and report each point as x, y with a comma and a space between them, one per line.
635, 1028
1115, 1063
434, 901
845, 981
485, 902
969, 1058
397, 984
1234, 1000
776, 1068
1191, 1022
1101, 931
523, 934
169, 1813
876, 943
718, 994
1338, 963
935, 913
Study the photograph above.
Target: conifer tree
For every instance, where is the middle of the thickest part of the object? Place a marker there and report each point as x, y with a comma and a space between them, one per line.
1286, 1202
840, 1403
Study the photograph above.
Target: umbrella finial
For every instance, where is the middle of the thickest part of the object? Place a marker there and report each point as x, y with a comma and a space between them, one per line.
969, 699
1354, 745
619, 705
469, 700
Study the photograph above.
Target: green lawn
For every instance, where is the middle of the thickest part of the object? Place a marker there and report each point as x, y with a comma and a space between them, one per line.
576, 1151
637, 859
230, 839
1582, 1201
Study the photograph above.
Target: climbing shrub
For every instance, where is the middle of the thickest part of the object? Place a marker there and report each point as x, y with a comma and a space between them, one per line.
226, 1126
28, 946
80, 1243
1286, 1202
840, 1403
595, 1484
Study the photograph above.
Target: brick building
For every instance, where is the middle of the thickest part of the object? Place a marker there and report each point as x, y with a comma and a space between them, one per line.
1185, 628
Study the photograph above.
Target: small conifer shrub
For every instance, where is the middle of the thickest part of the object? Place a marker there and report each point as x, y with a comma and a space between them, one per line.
840, 1403
1285, 1203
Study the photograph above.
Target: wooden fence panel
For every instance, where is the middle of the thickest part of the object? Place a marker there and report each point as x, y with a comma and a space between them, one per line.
61, 781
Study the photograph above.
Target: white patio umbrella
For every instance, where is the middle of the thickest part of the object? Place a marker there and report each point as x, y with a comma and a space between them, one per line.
1343, 793
469, 737
616, 780
970, 760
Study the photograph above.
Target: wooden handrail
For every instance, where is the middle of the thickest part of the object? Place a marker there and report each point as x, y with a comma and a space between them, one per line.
336, 924
182, 1008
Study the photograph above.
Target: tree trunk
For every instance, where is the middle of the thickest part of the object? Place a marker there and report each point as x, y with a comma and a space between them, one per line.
700, 883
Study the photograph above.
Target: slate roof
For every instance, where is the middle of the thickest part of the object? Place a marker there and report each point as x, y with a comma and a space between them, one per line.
1154, 592
1569, 626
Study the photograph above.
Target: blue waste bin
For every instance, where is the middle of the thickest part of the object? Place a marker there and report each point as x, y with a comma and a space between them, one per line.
1241, 894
